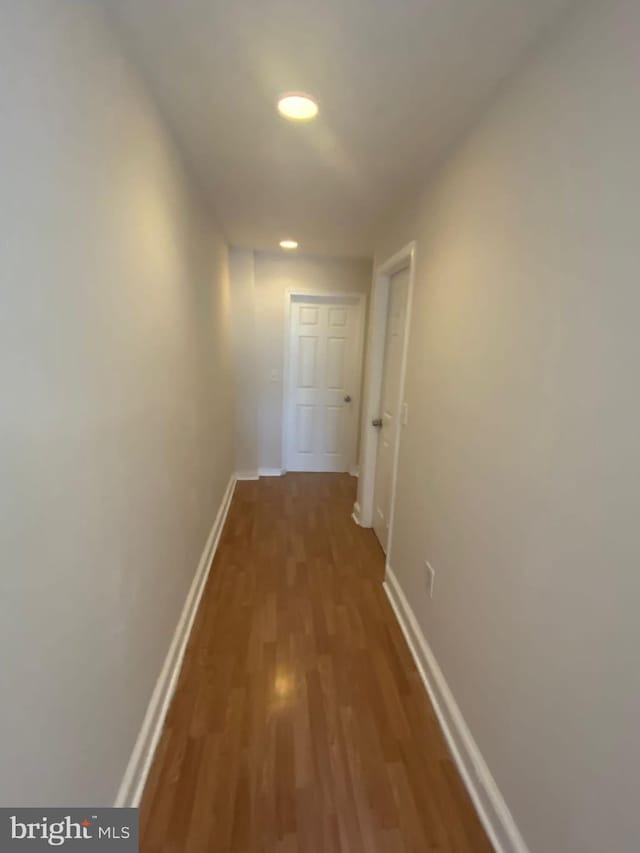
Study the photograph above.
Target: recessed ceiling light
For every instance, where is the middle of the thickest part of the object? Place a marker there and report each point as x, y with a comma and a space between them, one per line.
296, 106
288, 244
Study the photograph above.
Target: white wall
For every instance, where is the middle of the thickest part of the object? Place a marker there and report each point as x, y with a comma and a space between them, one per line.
115, 424
243, 318
519, 472
274, 275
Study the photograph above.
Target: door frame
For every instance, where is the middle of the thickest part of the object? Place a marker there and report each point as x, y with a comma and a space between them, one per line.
355, 297
374, 370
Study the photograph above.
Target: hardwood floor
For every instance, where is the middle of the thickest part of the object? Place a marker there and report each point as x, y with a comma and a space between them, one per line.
300, 722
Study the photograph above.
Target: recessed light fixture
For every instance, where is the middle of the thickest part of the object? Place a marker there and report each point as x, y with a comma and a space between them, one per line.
296, 106
288, 244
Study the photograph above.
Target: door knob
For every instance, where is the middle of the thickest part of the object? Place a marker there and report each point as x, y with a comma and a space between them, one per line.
347, 399
376, 422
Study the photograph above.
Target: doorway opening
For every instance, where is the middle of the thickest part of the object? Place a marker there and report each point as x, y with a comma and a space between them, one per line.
385, 409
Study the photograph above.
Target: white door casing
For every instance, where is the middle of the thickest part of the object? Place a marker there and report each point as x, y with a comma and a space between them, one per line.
390, 403
322, 397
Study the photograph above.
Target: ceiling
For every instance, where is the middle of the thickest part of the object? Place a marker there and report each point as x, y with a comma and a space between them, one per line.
396, 80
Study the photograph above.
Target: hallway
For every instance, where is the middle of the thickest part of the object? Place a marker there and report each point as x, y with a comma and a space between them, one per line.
391, 243
300, 722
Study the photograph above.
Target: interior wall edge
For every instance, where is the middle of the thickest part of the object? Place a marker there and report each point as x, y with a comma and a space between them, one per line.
135, 776
476, 775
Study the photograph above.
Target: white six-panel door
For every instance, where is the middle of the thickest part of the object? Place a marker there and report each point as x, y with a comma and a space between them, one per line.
394, 341
325, 342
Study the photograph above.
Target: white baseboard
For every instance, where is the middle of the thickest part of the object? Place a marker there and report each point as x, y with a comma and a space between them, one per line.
487, 799
133, 782
355, 515
270, 472
355, 471
247, 475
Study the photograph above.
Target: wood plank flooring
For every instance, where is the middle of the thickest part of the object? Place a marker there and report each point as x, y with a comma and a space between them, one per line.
300, 724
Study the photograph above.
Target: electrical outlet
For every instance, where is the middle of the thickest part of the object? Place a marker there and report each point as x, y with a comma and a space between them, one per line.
430, 578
